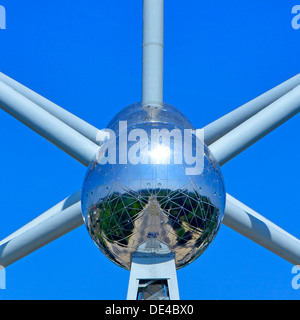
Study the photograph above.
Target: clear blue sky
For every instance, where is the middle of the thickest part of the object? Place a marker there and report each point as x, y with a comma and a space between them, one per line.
86, 57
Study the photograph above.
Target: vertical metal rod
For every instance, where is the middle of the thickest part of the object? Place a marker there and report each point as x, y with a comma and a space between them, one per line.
153, 50
152, 267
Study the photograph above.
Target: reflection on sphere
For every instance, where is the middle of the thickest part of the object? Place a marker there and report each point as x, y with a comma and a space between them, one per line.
129, 207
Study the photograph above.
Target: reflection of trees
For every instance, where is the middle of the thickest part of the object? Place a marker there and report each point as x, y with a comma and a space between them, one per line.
113, 218
190, 209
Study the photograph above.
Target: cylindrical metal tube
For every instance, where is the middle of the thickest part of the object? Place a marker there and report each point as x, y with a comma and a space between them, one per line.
153, 50
255, 227
83, 127
41, 234
256, 127
66, 203
48, 126
221, 126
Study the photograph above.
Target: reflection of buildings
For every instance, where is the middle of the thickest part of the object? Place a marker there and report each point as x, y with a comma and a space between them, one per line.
186, 222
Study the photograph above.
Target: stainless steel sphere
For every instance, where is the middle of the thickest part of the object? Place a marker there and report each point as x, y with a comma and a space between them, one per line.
153, 200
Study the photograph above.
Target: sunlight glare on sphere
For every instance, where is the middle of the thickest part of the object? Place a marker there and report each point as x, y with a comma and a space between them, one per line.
128, 206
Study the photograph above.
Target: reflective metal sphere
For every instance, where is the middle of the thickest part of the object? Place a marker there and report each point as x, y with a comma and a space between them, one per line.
153, 200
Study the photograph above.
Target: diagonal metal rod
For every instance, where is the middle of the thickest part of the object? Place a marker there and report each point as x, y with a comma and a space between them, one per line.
65, 116
41, 234
231, 219
262, 123
255, 227
238, 217
46, 125
215, 130
61, 206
